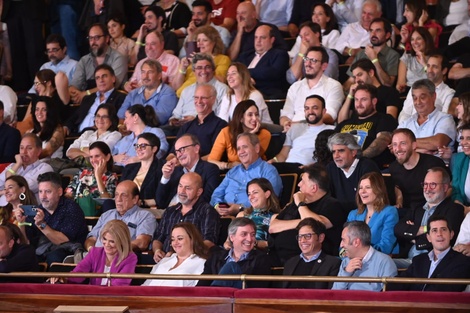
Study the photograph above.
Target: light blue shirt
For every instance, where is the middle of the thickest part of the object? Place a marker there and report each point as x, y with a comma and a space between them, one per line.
163, 101
230, 257
67, 65
313, 258
233, 187
435, 263
89, 120
126, 144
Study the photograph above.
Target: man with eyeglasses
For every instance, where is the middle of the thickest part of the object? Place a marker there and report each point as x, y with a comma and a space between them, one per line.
313, 200
315, 82
204, 68
310, 36
188, 159
83, 80
412, 229
59, 61
312, 261
267, 64
84, 117
161, 97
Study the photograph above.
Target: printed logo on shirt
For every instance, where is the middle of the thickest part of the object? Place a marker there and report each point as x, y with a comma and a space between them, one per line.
217, 12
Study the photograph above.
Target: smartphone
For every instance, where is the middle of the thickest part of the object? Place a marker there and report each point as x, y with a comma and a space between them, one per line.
223, 205
191, 47
29, 210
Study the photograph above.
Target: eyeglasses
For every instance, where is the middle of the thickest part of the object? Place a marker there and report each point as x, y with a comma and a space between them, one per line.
183, 149
97, 117
430, 185
94, 38
53, 50
314, 61
200, 68
304, 236
39, 83
142, 146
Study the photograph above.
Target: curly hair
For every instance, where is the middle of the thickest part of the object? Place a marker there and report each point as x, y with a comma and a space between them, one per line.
213, 35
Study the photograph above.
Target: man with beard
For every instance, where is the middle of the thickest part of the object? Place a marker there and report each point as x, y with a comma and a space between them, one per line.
315, 82
202, 16
409, 170
300, 138
153, 92
384, 58
411, 230
372, 129
364, 72
191, 208
83, 81
154, 49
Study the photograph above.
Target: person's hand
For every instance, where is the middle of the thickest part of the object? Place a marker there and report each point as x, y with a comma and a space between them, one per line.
168, 168
187, 118
401, 88
304, 45
404, 34
257, 126
298, 197
370, 52
287, 125
241, 24
143, 30
174, 122
227, 245
423, 18
293, 29
66, 130
445, 153
77, 96
463, 248
56, 280
191, 29
39, 218
18, 159
131, 85
228, 210
354, 265
18, 213
99, 168
352, 89
120, 158
184, 64
158, 255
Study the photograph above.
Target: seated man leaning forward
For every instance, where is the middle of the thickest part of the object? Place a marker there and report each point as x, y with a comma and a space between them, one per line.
242, 258
230, 197
361, 259
141, 222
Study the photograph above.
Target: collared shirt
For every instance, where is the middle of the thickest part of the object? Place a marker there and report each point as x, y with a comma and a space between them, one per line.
351, 169
169, 64
230, 257
313, 258
89, 120
90, 136
233, 187
428, 212
30, 173
330, 89
202, 215
388, 59
256, 59
163, 100
277, 12
140, 222
435, 263
66, 65
353, 36
228, 104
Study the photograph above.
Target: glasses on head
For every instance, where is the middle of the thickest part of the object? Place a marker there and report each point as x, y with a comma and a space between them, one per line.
430, 185
304, 236
141, 146
53, 50
200, 68
314, 61
183, 149
98, 117
94, 38
39, 83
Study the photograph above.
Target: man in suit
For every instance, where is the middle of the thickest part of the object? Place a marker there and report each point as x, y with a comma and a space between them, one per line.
441, 262
312, 261
84, 117
187, 160
267, 65
411, 230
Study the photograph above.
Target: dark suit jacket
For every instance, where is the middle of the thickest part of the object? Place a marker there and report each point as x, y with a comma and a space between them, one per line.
453, 265
210, 179
149, 185
116, 99
10, 139
270, 72
405, 233
325, 265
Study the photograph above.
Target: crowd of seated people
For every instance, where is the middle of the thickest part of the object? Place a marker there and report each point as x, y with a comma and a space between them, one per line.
381, 182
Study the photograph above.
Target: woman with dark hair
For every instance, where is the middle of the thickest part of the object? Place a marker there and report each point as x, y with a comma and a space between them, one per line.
138, 119
146, 172
322, 155
47, 127
375, 209
106, 122
118, 40
17, 193
188, 256
241, 88
245, 119
412, 65
96, 182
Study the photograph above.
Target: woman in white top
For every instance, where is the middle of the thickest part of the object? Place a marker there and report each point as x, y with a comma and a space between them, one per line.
241, 88
188, 257
118, 40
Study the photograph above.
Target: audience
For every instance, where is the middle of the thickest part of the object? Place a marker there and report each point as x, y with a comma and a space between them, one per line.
17, 193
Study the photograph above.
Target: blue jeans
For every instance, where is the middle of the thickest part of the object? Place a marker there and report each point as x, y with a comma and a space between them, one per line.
64, 21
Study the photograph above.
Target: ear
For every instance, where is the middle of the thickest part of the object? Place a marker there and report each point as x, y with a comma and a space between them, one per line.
257, 148
11, 243
321, 237
374, 102
324, 66
199, 192
65, 50
107, 157
267, 194
428, 237
272, 40
451, 235
444, 71
154, 150
61, 191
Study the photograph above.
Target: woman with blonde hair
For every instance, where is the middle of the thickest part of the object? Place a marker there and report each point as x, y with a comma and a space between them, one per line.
114, 257
375, 209
241, 88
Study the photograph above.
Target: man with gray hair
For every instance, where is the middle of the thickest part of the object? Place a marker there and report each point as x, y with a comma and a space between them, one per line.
152, 92
361, 259
347, 168
204, 68
433, 129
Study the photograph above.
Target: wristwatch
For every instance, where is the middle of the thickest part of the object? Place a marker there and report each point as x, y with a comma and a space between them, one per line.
42, 225
301, 203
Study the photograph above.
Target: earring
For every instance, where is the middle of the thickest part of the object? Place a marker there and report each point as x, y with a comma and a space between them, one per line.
22, 196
